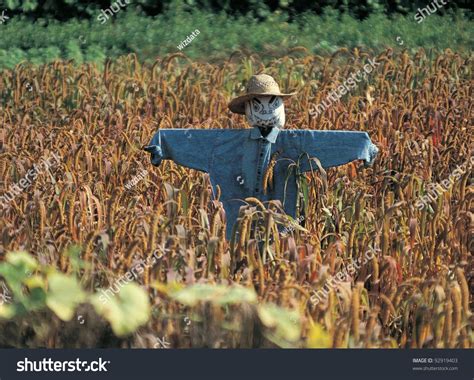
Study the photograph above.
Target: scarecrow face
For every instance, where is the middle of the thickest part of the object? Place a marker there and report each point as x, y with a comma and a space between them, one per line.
265, 111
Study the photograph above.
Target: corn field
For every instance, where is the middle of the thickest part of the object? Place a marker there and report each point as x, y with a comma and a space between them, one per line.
416, 290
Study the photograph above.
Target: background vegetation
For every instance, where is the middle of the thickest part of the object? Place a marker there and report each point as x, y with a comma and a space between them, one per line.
41, 32
67, 9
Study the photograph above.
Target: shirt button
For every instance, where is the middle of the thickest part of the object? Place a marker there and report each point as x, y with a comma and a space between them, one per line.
256, 190
261, 154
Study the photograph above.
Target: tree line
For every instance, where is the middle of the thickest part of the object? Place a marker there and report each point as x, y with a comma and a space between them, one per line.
83, 9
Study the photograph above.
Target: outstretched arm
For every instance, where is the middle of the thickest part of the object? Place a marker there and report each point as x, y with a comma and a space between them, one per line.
191, 148
334, 148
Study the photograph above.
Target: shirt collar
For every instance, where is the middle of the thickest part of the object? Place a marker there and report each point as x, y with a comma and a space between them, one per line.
271, 137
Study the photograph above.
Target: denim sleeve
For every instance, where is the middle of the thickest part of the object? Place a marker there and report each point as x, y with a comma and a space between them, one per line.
191, 148
334, 148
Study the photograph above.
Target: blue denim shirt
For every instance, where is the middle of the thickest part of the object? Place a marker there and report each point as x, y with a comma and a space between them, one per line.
236, 159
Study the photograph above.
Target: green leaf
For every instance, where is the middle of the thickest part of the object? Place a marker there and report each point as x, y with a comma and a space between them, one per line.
237, 294
217, 294
22, 259
35, 281
29, 5
16, 270
12, 4
305, 191
74, 254
36, 300
285, 324
127, 311
64, 294
184, 201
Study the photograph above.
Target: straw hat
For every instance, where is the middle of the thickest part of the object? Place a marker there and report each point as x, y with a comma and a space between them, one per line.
258, 85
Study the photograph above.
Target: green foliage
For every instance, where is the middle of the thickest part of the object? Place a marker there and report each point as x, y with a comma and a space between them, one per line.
128, 32
73, 253
282, 326
17, 272
218, 294
35, 288
64, 295
83, 9
74, 52
127, 311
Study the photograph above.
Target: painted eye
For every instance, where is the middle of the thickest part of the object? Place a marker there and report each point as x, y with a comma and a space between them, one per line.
272, 99
257, 104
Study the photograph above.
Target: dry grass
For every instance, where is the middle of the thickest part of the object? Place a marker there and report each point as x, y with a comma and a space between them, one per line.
418, 109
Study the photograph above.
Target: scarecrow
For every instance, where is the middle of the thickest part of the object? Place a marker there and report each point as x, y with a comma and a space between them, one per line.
238, 159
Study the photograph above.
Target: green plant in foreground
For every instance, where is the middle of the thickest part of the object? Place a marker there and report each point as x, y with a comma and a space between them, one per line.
281, 326
36, 287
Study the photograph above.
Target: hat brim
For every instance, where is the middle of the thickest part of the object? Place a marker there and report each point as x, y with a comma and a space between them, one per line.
237, 105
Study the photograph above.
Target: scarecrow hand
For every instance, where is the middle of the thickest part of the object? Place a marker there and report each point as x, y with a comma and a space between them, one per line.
156, 154
373, 151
